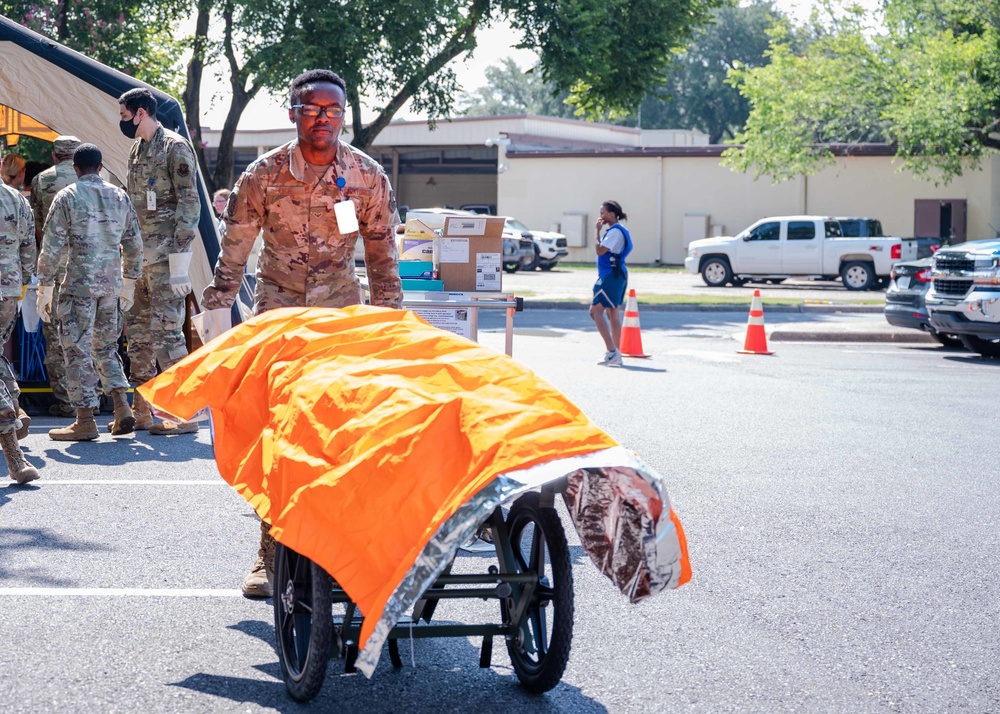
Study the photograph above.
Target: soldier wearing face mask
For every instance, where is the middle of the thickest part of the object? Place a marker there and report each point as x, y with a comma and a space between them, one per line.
163, 185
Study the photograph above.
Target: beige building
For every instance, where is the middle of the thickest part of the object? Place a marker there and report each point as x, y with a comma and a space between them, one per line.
554, 173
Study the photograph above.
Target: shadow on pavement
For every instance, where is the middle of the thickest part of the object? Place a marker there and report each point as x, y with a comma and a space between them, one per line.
48, 546
446, 678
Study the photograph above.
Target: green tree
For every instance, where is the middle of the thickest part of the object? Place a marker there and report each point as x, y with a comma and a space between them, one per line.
923, 77
512, 90
606, 53
695, 93
132, 36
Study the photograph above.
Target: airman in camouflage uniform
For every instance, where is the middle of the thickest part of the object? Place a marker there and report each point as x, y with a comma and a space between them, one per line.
18, 244
44, 188
92, 237
307, 258
162, 182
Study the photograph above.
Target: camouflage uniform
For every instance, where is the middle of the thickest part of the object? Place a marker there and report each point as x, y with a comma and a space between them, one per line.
154, 323
92, 231
44, 188
305, 259
17, 259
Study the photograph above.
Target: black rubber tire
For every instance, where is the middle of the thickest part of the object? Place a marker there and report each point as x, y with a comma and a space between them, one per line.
776, 281
303, 622
716, 272
985, 347
540, 670
534, 263
947, 340
548, 265
511, 267
858, 275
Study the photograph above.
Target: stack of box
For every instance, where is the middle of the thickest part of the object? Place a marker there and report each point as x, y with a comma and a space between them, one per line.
418, 258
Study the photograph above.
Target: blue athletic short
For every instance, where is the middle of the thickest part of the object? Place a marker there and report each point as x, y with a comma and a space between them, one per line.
609, 291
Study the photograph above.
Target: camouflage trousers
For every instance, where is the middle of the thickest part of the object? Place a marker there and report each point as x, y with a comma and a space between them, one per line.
55, 360
88, 332
155, 324
8, 318
9, 391
268, 296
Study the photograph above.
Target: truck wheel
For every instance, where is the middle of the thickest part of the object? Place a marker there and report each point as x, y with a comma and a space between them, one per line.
547, 264
534, 263
716, 272
985, 347
511, 267
858, 275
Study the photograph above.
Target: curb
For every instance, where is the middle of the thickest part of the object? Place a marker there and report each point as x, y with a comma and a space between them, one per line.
805, 308
917, 337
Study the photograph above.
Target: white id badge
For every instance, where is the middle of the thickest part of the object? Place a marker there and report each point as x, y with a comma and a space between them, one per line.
347, 219
150, 200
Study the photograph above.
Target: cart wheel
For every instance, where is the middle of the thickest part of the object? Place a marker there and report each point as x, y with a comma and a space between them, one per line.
539, 651
303, 622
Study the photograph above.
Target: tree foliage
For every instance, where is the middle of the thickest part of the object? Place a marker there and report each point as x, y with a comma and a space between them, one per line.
924, 79
132, 36
512, 90
605, 52
694, 93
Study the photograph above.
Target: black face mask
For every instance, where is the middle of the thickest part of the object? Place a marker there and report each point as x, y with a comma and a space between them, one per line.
128, 128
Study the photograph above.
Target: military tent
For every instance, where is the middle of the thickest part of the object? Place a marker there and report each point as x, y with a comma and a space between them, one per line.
58, 89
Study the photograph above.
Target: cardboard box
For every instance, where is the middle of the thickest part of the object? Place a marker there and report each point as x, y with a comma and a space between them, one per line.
415, 285
417, 242
472, 253
416, 269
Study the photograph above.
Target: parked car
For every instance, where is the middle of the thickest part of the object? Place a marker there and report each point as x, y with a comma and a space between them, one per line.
518, 249
864, 227
549, 246
964, 298
905, 304
487, 209
786, 246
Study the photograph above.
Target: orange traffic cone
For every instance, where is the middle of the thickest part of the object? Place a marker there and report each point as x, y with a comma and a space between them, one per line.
631, 342
756, 340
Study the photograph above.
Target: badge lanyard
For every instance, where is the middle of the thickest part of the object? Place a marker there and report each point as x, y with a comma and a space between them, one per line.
150, 196
347, 218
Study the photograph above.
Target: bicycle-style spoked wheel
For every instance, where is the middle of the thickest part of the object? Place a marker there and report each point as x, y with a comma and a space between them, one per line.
540, 650
303, 622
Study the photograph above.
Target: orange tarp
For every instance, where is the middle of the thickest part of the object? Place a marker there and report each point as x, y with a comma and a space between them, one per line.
358, 432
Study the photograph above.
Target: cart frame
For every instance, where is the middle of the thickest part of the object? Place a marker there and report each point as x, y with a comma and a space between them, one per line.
532, 579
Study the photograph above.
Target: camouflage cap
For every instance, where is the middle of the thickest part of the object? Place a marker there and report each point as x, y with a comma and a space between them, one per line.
64, 146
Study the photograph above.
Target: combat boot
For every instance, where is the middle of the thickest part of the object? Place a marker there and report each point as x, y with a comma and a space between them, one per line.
167, 427
20, 470
62, 409
142, 412
22, 416
124, 422
259, 581
83, 429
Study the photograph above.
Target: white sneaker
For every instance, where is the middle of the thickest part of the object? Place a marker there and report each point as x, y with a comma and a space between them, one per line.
612, 359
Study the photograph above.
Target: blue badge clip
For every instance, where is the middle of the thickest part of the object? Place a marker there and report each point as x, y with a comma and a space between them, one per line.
341, 182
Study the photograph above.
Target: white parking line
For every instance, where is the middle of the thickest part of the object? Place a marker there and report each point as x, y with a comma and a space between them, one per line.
118, 592
128, 482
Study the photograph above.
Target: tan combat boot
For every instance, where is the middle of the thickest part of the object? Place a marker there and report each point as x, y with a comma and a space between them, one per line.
124, 422
83, 429
258, 582
167, 427
22, 416
20, 470
142, 412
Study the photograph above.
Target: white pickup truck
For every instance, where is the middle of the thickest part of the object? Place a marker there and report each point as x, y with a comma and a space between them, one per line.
776, 248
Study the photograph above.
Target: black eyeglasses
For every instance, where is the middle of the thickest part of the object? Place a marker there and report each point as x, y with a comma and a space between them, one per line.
314, 110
